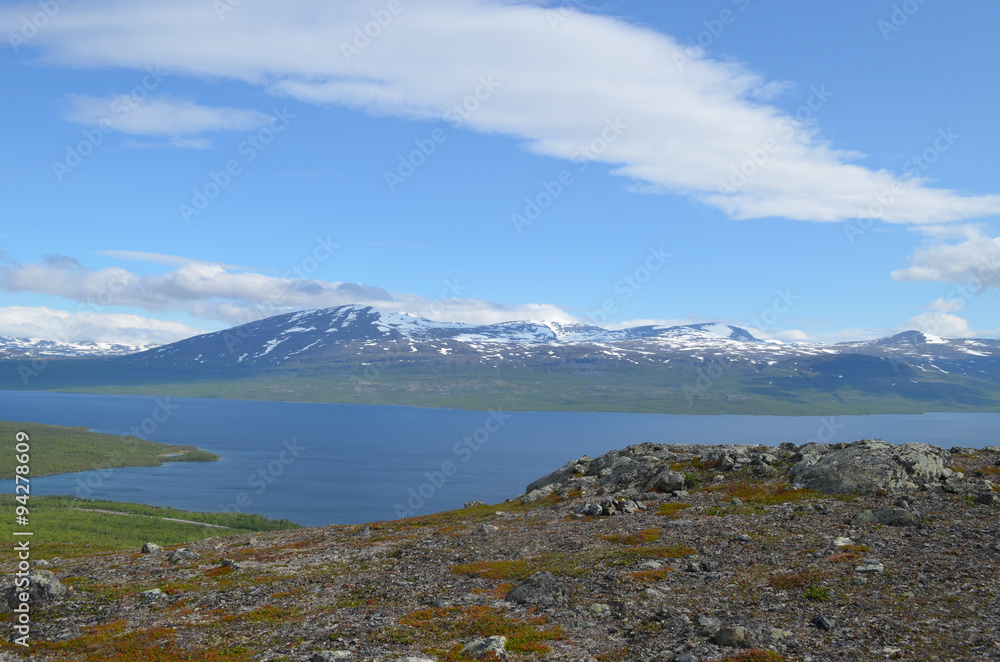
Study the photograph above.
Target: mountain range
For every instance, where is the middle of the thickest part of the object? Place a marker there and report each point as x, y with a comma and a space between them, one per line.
363, 354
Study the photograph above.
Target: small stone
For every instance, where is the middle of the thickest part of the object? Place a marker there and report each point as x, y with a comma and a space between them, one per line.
737, 501
869, 567
329, 656
150, 547
540, 589
229, 563
842, 541
474, 504
708, 622
151, 594
888, 517
824, 622
497, 645
41, 562
181, 555
600, 610
651, 565
488, 528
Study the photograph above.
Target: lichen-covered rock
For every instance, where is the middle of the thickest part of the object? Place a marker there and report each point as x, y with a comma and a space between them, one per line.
181, 555
496, 645
887, 516
647, 468
43, 587
541, 589
870, 465
749, 636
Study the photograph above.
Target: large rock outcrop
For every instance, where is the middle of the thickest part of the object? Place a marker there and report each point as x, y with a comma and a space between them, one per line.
648, 467
870, 465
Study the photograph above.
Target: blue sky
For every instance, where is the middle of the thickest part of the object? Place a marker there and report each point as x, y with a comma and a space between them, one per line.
811, 171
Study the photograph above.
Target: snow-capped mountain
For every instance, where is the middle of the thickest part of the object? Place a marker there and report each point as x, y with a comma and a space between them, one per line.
345, 334
319, 334
37, 348
362, 354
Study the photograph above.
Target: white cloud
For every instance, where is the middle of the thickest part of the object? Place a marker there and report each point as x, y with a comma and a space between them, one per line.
789, 335
684, 123
942, 324
65, 326
943, 305
626, 324
208, 291
974, 261
178, 119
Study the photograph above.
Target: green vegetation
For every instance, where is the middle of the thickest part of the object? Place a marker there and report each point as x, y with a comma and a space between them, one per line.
71, 527
111, 643
817, 593
672, 508
436, 627
754, 655
56, 449
574, 565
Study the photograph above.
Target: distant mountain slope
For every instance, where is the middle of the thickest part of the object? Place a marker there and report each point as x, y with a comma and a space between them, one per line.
17, 348
362, 354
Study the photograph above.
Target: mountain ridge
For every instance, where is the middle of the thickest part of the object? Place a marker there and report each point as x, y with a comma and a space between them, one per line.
360, 354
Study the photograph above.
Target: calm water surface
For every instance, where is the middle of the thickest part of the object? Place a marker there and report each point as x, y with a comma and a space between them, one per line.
319, 464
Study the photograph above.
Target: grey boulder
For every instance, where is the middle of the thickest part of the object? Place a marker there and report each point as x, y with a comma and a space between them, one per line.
540, 589
870, 465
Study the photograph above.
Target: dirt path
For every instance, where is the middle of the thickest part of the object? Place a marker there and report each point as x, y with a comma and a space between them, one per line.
166, 519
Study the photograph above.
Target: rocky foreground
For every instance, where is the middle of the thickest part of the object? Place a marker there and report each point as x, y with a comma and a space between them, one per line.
862, 551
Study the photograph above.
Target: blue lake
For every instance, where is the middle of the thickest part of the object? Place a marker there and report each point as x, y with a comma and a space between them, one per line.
320, 464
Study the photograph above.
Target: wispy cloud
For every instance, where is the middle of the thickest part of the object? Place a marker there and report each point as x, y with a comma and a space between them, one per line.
173, 260
208, 291
690, 121
180, 120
